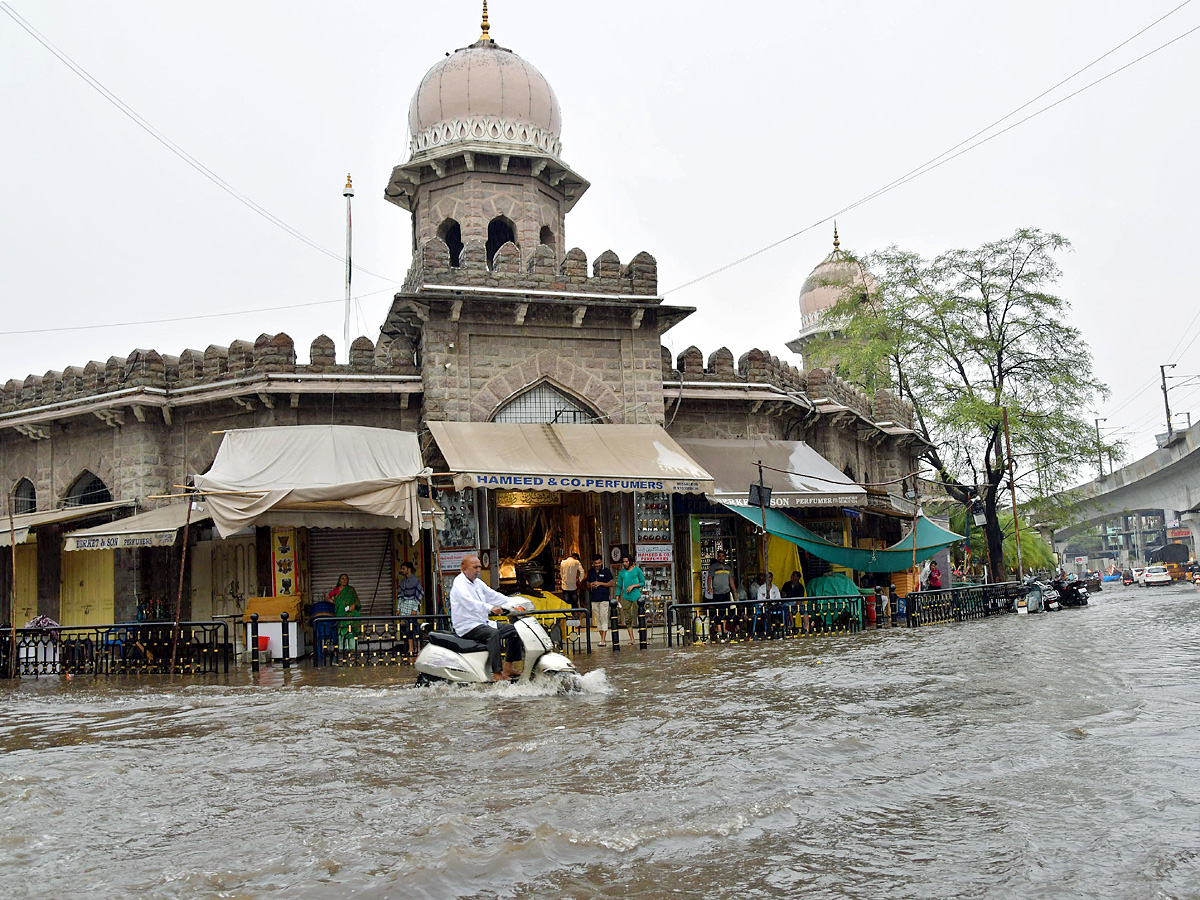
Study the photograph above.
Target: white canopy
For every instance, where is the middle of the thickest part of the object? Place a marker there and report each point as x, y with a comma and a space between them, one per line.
153, 528
597, 458
796, 473
314, 467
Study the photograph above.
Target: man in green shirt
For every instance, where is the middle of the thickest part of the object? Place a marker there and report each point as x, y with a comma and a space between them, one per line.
630, 582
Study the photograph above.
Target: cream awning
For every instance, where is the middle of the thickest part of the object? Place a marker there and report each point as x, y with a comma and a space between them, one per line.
317, 468
797, 474
23, 523
153, 528
595, 458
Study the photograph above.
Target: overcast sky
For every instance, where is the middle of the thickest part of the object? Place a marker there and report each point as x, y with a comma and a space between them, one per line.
707, 130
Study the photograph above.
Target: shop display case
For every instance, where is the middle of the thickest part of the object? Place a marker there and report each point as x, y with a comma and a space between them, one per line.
717, 533
655, 552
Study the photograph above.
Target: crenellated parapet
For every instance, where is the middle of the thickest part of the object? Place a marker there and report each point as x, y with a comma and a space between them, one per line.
823, 384
537, 270
888, 406
753, 367
268, 355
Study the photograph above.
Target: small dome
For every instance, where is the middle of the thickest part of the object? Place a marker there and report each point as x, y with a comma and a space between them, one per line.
484, 93
827, 283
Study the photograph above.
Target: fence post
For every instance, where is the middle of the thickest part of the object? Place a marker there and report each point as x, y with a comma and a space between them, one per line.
641, 624
668, 616
587, 626
287, 642
616, 622
254, 642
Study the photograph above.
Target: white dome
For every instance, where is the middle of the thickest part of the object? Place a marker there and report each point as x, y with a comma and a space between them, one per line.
827, 283
484, 93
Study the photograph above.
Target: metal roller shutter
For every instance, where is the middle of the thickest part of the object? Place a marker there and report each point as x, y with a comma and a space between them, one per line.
366, 556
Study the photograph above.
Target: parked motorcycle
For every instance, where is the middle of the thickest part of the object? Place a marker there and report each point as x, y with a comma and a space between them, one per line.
1071, 593
450, 658
1039, 596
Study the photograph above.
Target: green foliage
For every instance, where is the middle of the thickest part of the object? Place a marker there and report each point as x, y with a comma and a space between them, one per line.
964, 336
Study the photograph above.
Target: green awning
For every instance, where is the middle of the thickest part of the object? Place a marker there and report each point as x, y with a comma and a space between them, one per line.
930, 539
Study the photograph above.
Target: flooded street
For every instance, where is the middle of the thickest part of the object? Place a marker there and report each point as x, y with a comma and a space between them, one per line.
1044, 756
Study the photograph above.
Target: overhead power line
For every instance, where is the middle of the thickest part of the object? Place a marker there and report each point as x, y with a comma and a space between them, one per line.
173, 147
219, 315
948, 155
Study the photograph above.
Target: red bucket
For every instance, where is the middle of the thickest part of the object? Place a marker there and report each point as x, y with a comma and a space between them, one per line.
263, 643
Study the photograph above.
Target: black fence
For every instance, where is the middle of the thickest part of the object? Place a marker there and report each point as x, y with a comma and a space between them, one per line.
758, 620
396, 640
958, 604
130, 648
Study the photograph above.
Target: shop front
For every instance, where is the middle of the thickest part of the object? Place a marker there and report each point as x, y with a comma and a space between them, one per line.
801, 483
527, 496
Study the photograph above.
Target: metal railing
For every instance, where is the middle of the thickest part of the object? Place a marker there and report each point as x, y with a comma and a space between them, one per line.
126, 648
958, 604
396, 640
757, 620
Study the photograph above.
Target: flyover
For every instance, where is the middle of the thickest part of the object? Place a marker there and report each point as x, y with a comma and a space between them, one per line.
1167, 479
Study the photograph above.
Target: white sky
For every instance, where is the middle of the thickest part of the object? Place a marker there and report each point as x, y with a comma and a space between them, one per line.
707, 130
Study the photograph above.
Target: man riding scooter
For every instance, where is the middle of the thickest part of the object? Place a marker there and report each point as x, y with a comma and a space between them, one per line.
471, 602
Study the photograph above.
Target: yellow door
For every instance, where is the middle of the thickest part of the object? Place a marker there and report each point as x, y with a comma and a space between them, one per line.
26, 583
87, 587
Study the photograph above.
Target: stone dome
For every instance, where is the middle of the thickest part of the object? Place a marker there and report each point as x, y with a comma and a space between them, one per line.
484, 93
827, 283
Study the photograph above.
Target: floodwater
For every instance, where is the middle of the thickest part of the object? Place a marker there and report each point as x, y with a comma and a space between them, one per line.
1055, 755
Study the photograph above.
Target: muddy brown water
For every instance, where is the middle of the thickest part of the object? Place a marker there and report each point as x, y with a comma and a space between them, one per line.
1045, 756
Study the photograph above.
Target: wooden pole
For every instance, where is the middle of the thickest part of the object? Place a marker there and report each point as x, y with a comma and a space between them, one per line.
187, 522
12, 608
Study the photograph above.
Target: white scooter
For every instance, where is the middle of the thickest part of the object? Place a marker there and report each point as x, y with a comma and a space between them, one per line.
458, 660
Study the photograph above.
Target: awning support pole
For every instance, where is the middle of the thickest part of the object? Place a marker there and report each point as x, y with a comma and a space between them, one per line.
766, 551
13, 669
179, 595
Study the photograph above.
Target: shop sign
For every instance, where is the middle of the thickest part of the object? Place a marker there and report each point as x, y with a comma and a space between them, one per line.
1179, 533
122, 541
655, 554
528, 498
578, 483
795, 501
451, 560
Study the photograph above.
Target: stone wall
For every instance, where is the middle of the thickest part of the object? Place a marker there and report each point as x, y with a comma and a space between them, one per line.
538, 268
753, 367
241, 359
729, 419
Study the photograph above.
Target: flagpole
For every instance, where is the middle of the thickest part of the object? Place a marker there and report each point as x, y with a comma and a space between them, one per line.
348, 193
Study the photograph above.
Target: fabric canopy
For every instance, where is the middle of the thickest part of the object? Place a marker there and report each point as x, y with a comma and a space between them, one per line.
618, 458
314, 467
153, 528
796, 473
23, 523
897, 558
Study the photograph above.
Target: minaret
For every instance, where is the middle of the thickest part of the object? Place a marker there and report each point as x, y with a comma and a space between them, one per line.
484, 160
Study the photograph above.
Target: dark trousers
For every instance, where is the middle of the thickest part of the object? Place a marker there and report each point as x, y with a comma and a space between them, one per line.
504, 631
571, 598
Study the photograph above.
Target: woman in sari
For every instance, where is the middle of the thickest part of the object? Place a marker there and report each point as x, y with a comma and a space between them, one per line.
345, 605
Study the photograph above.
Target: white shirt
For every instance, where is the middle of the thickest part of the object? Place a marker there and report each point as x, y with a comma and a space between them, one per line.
775, 595
572, 572
471, 603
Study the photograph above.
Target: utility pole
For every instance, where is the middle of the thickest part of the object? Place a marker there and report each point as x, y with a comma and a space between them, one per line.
1166, 402
1099, 449
348, 193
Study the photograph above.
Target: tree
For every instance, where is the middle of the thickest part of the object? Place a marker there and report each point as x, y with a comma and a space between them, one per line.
966, 336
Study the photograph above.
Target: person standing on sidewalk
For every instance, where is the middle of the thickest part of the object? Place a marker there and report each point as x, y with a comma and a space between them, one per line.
571, 570
600, 584
630, 582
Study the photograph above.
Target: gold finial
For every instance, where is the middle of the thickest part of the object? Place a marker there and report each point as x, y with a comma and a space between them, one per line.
349, 185
484, 24
348, 190
836, 242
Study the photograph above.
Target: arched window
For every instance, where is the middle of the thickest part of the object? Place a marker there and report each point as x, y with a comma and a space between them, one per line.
544, 404
547, 236
24, 497
500, 232
451, 233
848, 472
86, 490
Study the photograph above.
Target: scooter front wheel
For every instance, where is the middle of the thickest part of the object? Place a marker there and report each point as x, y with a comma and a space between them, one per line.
424, 680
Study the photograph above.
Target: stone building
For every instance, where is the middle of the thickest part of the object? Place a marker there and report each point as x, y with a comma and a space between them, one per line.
499, 331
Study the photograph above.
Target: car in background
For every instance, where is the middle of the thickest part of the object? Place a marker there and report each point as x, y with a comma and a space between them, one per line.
1139, 573
1156, 575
